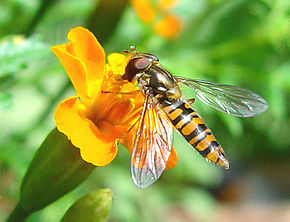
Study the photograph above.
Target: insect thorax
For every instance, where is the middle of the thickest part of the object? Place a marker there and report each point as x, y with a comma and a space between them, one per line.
160, 83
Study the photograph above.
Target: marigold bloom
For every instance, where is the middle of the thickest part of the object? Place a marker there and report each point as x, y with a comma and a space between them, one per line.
101, 112
144, 10
168, 27
166, 24
167, 4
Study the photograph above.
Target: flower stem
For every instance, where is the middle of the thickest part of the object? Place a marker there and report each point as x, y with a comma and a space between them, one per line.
44, 6
105, 18
52, 103
18, 214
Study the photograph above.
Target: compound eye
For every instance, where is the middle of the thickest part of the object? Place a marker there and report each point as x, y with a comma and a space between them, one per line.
135, 66
141, 63
153, 58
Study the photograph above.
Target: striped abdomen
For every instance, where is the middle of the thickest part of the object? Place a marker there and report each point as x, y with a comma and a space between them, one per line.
193, 129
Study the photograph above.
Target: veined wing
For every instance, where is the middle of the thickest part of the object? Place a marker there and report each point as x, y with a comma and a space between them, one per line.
226, 98
152, 145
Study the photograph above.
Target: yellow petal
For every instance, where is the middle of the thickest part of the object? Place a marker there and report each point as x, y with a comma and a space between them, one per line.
96, 148
116, 64
74, 68
168, 27
116, 60
167, 4
144, 10
84, 45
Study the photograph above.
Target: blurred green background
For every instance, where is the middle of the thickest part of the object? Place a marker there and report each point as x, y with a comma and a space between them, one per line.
239, 42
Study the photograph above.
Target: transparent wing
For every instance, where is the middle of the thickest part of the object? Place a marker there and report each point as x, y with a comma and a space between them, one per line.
151, 147
225, 98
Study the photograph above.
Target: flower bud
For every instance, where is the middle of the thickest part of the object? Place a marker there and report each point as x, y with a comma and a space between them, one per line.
94, 207
56, 169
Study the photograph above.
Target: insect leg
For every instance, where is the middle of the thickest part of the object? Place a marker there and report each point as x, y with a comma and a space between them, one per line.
124, 136
123, 93
190, 101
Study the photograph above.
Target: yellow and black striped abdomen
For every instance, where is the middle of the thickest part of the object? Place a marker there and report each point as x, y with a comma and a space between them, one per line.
193, 129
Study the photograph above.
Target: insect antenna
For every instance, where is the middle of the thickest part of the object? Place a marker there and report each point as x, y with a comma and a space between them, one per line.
133, 49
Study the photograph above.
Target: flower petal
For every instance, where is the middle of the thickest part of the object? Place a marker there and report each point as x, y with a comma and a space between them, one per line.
117, 62
96, 148
172, 161
167, 4
74, 69
168, 27
120, 111
84, 45
144, 10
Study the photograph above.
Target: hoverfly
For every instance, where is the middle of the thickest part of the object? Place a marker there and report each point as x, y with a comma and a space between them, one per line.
164, 109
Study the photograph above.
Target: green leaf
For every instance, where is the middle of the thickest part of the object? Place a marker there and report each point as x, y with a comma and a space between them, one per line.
233, 124
94, 207
103, 25
230, 20
16, 52
6, 100
199, 202
55, 170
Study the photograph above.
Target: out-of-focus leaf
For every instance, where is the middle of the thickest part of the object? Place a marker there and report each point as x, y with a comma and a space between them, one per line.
15, 14
198, 201
279, 86
106, 17
234, 124
94, 207
16, 52
6, 100
229, 20
194, 167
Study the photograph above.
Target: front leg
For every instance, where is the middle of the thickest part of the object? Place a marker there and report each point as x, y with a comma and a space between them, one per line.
190, 101
123, 93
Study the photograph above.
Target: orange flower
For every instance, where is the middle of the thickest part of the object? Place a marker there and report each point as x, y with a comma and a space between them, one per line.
101, 112
144, 10
167, 25
167, 4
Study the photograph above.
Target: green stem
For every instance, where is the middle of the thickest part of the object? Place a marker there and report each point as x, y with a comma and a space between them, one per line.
51, 104
17, 215
44, 6
105, 18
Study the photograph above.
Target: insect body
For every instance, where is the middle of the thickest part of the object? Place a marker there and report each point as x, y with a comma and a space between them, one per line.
193, 129
165, 108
